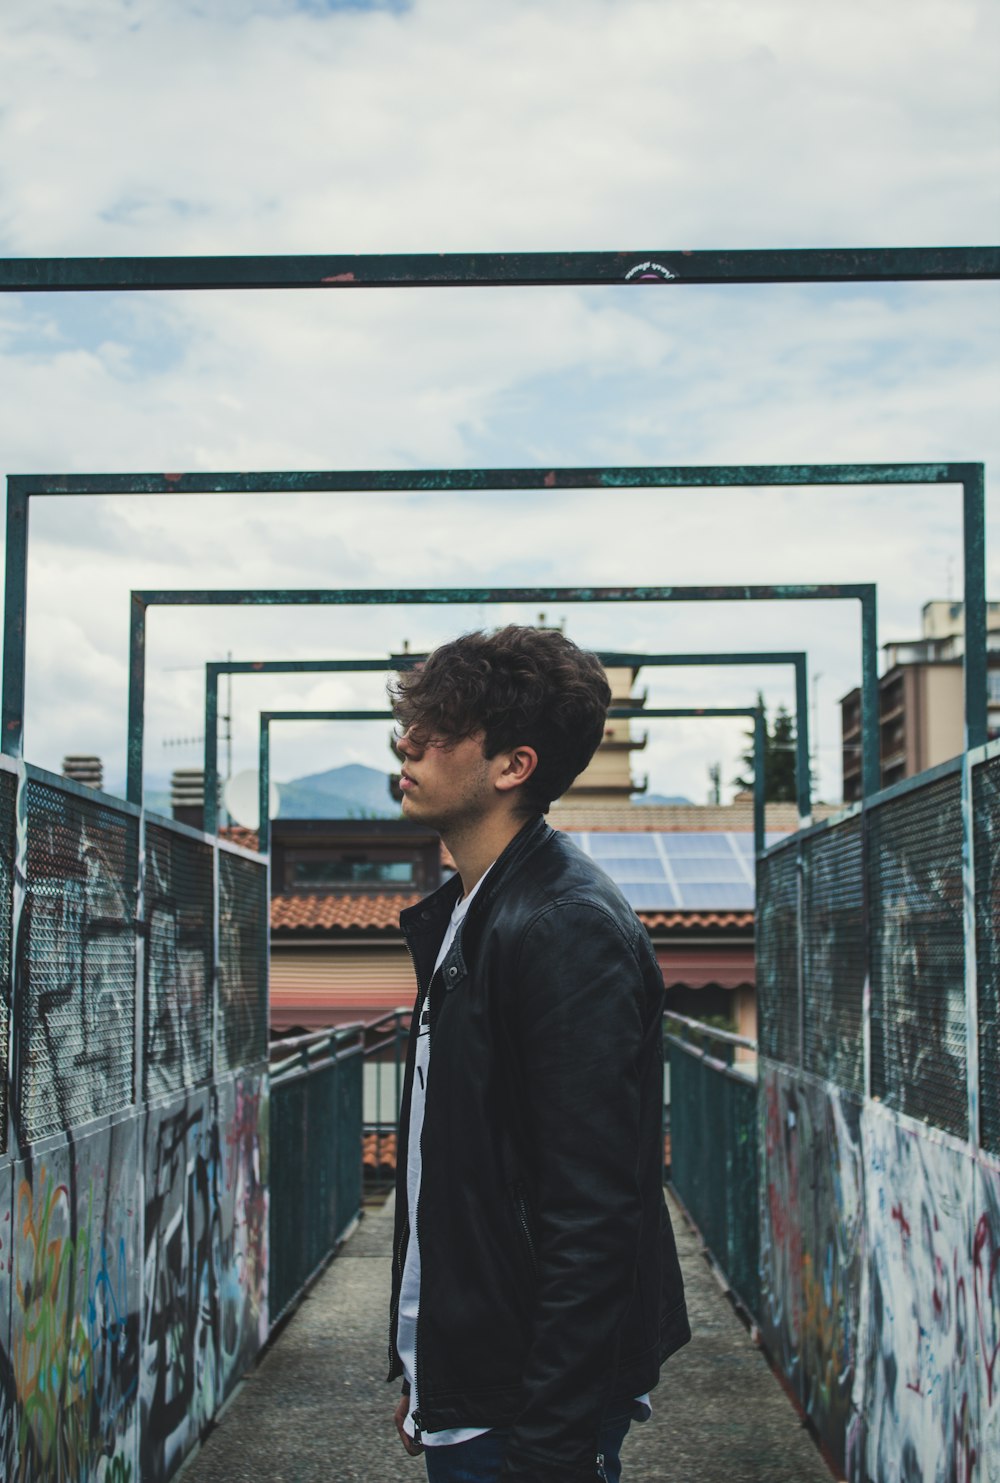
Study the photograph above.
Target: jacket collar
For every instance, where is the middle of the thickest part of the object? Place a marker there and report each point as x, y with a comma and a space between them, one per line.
431, 914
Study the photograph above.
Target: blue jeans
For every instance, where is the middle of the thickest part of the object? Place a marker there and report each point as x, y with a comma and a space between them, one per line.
480, 1460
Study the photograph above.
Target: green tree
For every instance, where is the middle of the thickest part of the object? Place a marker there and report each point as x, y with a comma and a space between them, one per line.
779, 758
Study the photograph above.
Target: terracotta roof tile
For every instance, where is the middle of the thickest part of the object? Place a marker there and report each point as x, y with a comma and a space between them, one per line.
317, 912
327, 913
238, 835
652, 920
378, 1154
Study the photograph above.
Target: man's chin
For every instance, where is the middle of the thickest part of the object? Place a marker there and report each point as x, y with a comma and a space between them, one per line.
410, 808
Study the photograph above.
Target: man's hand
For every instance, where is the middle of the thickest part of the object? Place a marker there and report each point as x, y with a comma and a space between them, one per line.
412, 1447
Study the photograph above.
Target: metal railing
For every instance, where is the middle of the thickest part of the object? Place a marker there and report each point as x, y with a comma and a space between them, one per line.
316, 1097
713, 1145
385, 1056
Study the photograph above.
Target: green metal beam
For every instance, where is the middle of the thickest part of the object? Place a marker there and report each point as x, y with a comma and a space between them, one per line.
273, 597
499, 269
214, 669
756, 713
363, 481
969, 475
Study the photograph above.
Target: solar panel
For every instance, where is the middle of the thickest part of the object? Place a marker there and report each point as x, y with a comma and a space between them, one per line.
642, 896
660, 871
622, 846
634, 870
681, 845
709, 870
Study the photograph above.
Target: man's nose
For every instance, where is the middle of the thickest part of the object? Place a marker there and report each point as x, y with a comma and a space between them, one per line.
406, 745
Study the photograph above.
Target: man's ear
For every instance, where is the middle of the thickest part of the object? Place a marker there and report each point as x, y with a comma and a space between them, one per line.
519, 766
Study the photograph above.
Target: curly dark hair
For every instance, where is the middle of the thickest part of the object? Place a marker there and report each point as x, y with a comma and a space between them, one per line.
520, 686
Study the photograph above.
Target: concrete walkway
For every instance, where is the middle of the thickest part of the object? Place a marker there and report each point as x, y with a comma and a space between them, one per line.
317, 1410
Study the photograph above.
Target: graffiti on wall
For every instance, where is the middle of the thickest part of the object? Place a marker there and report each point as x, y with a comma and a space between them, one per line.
205, 1262
986, 1308
133, 1202
880, 1263
243, 1202
119, 1357
813, 1242
928, 1387
70, 1378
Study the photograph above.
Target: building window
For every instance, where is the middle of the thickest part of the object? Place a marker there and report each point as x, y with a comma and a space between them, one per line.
351, 870
993, 686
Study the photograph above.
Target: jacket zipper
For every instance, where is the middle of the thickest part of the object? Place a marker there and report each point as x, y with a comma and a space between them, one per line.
522, 1216
394, 1306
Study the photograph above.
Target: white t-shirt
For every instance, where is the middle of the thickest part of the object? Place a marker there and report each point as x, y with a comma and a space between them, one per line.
409, 1289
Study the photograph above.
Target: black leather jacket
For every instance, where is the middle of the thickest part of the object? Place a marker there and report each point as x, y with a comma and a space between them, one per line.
550, 1285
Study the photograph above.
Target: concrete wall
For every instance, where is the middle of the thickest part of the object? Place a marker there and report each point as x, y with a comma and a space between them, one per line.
133, 1182
880, 1264
879, 1128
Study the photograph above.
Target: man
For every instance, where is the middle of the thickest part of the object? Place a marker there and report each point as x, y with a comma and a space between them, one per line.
536, 1288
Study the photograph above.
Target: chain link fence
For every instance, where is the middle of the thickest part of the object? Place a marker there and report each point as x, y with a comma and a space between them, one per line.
178, 1010
778, 966
833, 955
243, 949
75, 1055
881, 895
8, 831
986, 846
918, 1034
75, 1023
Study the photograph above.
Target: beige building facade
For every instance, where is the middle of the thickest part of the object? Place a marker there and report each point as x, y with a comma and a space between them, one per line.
921, 699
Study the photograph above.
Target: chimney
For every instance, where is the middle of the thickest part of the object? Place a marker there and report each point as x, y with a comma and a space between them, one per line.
86, 770
187, 796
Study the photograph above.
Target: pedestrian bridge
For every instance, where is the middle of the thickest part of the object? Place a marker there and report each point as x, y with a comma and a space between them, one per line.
317, 1408
167, 1195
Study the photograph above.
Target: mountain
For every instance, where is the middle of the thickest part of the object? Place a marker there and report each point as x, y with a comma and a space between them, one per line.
674, 798
349, 792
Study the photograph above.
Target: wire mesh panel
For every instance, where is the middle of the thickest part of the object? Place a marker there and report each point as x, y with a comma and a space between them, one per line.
741, 1180
8, 798
288, 1232
243, 947
77, 955
178, 967
918, 1034
986, 844
778, 955
713, 1162
349, 1123
833, 955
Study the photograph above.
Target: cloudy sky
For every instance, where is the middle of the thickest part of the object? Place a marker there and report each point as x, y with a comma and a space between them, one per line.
267, 126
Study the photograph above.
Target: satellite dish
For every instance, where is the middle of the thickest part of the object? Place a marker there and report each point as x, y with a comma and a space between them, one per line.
242, 799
